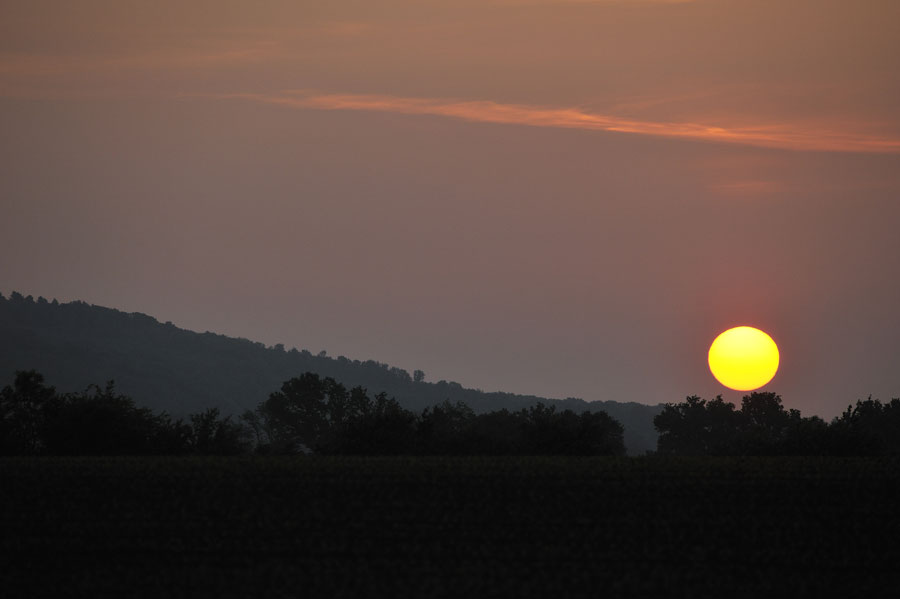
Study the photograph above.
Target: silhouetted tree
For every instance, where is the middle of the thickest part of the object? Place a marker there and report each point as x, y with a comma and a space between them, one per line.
213, 435
868, 428
806, 436
446, 429
297, 415
99, 421
499, 433
548, 432
382, 428
256, 424
763, 424
597, 433
171, 437
697, 427
23, 411
304, 412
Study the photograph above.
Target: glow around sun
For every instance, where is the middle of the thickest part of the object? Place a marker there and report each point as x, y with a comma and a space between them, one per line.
743, 358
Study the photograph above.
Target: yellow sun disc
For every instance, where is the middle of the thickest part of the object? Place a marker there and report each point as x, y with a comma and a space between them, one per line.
743, 358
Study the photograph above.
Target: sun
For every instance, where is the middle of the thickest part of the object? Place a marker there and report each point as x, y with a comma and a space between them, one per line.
743, 358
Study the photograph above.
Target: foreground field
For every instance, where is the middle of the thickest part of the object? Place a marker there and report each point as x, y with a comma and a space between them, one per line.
420, 527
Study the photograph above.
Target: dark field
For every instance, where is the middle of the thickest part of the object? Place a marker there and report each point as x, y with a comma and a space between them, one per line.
476, 527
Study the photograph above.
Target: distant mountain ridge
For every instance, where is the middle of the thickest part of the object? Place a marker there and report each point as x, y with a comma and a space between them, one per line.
168, 368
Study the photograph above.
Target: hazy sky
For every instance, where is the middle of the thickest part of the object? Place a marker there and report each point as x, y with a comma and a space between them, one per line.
566, 198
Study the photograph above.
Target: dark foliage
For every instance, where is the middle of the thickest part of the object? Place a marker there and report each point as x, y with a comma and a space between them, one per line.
102, 422
381, 427
309, 414
314, 414
763, 427
211, 434
868, 428
23, 414
36, 420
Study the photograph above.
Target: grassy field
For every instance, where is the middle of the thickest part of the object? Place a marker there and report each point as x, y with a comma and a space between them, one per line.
423, 527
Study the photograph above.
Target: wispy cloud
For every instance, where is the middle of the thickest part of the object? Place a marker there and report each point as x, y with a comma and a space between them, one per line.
783, 135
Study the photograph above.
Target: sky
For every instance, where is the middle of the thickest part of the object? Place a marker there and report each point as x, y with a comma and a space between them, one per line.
568, 198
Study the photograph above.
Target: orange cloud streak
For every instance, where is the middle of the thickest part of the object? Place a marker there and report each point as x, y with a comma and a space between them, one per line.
785, 136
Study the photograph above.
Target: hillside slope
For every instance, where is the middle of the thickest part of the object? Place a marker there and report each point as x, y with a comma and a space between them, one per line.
167, 368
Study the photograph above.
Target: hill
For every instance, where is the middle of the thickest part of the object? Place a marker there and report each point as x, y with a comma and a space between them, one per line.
168, 368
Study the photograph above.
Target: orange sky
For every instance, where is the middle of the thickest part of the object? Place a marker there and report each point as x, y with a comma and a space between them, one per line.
569, 198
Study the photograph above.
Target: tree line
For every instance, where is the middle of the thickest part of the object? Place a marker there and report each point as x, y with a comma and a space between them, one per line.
309, 414
762, 426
